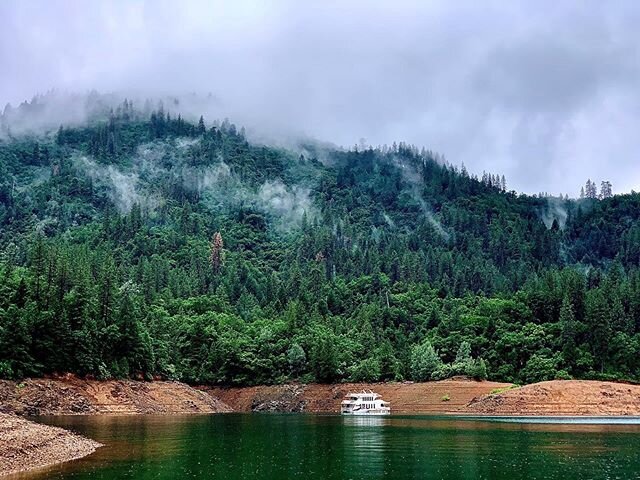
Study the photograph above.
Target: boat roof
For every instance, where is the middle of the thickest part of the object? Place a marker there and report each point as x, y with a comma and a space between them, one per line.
362, 393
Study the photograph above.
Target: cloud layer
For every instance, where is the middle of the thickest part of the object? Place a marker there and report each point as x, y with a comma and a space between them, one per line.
544, 92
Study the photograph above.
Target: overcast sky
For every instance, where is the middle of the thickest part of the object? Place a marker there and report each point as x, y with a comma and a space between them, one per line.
546, 92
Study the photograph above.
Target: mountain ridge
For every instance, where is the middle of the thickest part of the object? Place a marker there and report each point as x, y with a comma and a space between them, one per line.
153, 245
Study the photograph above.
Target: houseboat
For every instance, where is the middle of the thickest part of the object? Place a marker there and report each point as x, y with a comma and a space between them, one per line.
364, 403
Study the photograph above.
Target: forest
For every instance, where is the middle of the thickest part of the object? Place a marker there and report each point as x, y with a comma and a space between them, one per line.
144, 245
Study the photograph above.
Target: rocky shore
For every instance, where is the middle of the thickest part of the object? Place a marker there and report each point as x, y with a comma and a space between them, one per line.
25, 445
71, 395
562, 398
457, 396
443, 397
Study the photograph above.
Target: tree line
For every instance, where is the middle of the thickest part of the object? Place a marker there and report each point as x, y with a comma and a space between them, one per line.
403, 267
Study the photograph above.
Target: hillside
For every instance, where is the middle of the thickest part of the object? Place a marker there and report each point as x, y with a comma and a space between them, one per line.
140, 244
562, 397
73, 396
445, 396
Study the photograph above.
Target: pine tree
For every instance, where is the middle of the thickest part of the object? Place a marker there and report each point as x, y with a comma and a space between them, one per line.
598, 319
605, 190
216, 256
590, 190
296, 358
568, 326
464, 353
425, 361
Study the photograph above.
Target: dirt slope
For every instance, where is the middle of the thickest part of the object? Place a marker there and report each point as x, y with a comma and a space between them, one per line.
446, 396
562, 397
459, 395
25, 445
74, 396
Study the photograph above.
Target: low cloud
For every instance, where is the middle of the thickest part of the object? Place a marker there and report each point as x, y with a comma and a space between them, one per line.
123, 188
162, 163
541, 92
289, 204
555, 211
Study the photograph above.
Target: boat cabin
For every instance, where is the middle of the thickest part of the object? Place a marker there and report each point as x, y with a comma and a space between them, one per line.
364, 403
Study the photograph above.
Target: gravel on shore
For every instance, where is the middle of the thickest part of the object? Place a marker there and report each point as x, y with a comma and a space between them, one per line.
25, 445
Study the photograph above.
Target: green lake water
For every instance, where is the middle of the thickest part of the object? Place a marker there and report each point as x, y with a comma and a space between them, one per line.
274, 446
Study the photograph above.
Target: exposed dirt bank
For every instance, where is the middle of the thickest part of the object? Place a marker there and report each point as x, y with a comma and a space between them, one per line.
446, 396
25, 445
459, 395
562, 397
75, 396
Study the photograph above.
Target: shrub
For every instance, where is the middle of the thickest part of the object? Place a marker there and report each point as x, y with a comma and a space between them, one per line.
540, 368
476, 368
5, 370
424, 361
444, 371
296, 358
368, 370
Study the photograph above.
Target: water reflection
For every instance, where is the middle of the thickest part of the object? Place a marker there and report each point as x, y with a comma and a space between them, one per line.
239, 446
364, 445
365, 421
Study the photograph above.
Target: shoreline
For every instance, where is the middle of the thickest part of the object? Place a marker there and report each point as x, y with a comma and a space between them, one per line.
437, 397
589, 398
456, 396
75, 396
27, 445
459, 395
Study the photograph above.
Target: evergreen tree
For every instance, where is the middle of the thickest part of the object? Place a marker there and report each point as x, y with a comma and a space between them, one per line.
216, 256
425, 361
569, 331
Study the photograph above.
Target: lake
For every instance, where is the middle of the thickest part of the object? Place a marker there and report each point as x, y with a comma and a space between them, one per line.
284, 446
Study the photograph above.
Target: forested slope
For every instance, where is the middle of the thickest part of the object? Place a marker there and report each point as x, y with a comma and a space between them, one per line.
145, 245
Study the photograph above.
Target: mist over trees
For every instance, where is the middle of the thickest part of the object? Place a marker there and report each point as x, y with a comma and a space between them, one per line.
143, 244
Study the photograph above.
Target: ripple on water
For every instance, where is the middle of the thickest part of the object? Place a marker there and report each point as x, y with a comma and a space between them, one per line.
234, 447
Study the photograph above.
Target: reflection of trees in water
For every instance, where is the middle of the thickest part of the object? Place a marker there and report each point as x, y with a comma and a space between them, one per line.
274, 447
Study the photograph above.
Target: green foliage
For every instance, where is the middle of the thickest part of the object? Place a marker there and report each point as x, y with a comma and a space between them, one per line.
5, 370
464, 364
374, 265
296, 358
424, 361
476, 368
368, 370
540, 368
497, 391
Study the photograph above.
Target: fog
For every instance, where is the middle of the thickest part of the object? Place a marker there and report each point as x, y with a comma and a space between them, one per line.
156, 167
544, 92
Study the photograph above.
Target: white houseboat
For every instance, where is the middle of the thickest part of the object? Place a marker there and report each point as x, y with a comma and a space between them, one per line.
364, 403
